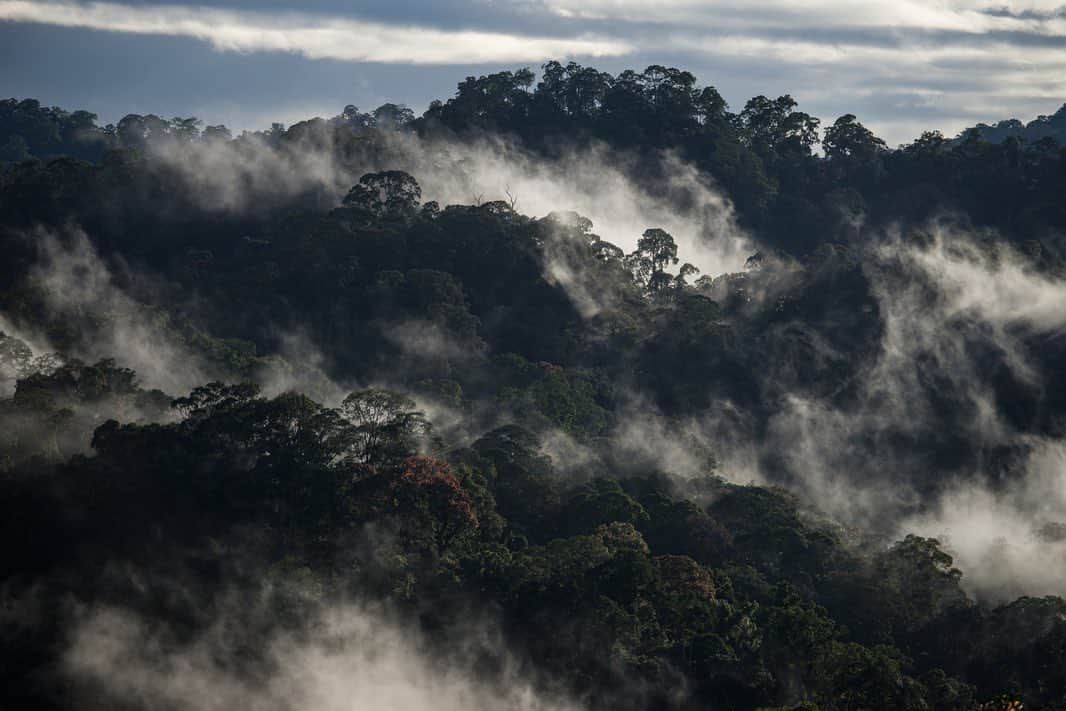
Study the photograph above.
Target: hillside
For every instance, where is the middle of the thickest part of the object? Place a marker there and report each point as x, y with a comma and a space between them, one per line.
586, 393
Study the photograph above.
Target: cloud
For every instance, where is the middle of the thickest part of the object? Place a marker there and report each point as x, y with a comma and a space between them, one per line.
593, 181
314, 36
1000, 536
249, 174
347, 656
23, 352
992, 521
997, 286
963, 16
918, 439
78, 287
596, 182
1001, 57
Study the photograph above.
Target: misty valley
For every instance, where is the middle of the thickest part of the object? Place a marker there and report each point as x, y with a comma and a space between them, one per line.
577, 391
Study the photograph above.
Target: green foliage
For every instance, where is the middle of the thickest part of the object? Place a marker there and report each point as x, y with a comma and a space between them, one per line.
849, 139
29, 129
386, 426
523, 480
573, 400
531, 498
619, 569
770, 534
599, 502
656, 251
388, 195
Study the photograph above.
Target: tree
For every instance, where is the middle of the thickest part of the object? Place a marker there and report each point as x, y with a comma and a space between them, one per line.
131, 130
576, 90
671, 90
214, 397
710, 106
393, 116
16, 358
773, 123
608, 253
683, 528
387, 425
849, 139
926, 147
185, 129
15, 149
798, 134
687, 270
523, 480
655, 251
388, 195
500, 99
216, 133
598, 502
659, 247
428, 491
570, 224
350, 116
919, 582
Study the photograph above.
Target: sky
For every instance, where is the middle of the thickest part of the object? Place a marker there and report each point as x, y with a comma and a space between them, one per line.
901, 66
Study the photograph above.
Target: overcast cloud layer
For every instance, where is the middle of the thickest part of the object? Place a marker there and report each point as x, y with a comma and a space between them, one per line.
901, 66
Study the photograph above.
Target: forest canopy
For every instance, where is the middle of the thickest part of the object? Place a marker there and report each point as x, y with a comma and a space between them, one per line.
602, 389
